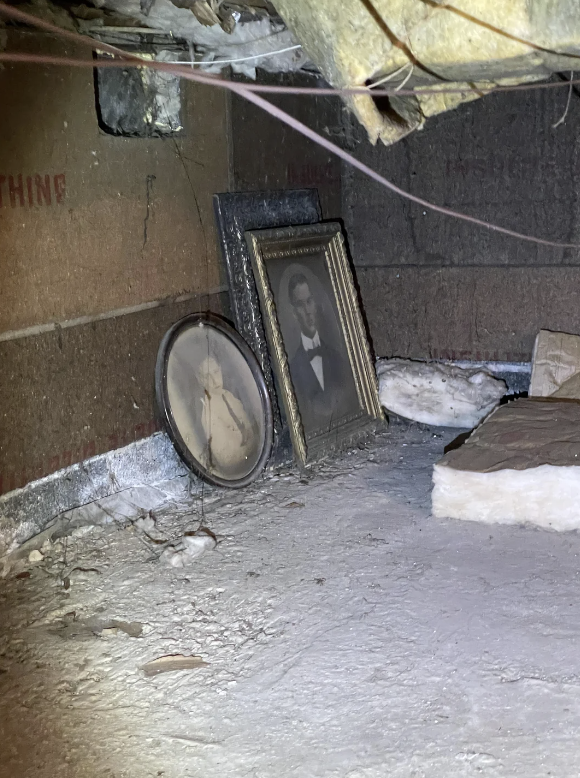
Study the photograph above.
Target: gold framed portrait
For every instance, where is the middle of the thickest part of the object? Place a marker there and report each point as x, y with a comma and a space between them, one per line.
316, 336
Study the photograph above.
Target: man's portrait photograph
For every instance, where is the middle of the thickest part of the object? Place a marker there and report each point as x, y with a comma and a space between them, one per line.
317, 343
320, 370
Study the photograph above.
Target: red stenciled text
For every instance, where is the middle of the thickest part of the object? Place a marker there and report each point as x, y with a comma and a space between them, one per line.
21, 191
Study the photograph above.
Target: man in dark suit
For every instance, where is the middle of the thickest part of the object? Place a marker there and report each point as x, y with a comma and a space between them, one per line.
321, 376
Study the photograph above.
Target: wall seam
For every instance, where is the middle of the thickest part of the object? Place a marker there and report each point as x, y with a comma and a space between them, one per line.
40, 329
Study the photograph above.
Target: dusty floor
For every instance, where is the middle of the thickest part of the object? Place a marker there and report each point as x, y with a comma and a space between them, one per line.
347, 634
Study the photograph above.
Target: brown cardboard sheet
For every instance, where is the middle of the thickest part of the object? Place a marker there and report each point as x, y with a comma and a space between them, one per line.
523, 434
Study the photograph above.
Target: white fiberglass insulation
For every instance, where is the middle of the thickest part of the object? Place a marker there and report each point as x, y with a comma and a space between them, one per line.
521, 466
546, 496
347, 634
437, 394
246, 40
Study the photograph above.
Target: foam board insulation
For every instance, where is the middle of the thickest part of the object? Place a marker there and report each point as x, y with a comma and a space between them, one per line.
437, 394
521, 466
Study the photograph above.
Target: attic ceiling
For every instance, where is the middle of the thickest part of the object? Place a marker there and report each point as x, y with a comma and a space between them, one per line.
425, 43
354, 43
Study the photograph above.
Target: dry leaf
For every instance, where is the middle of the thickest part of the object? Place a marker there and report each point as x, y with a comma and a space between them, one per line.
171, 662
204, 13
227, 20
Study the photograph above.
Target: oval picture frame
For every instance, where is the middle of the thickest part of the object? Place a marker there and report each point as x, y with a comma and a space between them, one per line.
219, 331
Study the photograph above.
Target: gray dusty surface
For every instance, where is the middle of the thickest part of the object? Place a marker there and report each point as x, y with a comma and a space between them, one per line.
346, 633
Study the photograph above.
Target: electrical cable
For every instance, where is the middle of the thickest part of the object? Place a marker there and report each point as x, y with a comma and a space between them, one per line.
200, 63
133, 60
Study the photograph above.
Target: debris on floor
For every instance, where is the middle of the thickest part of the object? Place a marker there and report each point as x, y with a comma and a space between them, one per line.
522, 465
191, 546
132, 507
133, 629
128, 481
71, 626
437, 394
355, 635
169, 664
556, 366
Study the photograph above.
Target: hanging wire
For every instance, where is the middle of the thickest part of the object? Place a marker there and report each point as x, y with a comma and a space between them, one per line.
130, 59
200, 63
407, 77
562, 118
390, 76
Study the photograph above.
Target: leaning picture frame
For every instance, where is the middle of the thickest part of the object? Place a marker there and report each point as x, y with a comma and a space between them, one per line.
213, 401
316, 336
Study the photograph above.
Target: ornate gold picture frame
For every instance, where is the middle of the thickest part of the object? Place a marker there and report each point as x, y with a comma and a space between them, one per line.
319, 350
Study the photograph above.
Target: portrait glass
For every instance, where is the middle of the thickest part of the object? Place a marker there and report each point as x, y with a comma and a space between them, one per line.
215, 404
318, 360
316, 336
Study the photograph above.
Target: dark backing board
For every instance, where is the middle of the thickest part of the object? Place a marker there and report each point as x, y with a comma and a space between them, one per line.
237, 212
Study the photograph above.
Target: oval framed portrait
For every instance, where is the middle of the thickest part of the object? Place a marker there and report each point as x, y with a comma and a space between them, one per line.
214, 401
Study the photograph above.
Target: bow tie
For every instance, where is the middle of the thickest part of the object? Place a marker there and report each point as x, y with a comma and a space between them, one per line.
314, 352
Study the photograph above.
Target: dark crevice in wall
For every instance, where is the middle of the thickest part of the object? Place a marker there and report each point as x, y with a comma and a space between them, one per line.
148, 192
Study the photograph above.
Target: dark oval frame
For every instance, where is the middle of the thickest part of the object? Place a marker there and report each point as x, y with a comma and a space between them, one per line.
162, 397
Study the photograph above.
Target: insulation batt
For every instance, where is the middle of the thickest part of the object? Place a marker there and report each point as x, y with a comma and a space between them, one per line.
246, 40
521, 466
546, 496
431, 44
436, 394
